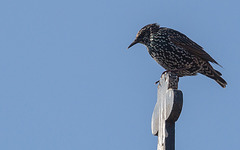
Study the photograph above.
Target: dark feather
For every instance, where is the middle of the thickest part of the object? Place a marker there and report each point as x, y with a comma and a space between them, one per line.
219, 73
187, 44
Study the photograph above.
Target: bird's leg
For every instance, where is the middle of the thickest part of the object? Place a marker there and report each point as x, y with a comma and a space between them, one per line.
171, 71
167, 71
178, 72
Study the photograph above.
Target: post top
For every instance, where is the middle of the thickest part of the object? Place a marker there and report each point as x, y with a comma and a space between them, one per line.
169, 101
170, 80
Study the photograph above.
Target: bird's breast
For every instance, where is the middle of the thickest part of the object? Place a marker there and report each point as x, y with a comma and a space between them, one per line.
159, 56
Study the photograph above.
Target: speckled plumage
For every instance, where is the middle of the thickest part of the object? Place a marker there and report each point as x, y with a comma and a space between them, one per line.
175, 52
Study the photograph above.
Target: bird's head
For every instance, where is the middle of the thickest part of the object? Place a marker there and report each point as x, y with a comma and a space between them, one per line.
143, 36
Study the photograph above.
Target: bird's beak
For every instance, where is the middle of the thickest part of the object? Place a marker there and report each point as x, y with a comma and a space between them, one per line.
133, 43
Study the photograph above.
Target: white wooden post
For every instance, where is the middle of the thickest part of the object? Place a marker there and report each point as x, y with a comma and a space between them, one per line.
166, 111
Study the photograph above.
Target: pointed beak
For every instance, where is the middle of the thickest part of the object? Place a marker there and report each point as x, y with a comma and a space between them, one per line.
133, 43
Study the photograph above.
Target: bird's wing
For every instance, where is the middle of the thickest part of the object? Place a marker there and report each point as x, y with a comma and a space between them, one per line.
187, 44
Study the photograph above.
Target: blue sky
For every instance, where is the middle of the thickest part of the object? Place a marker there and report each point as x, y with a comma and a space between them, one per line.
68, 81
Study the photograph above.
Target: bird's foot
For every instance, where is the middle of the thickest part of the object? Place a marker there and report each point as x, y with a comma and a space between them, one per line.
167, 71
174, 72
158, 82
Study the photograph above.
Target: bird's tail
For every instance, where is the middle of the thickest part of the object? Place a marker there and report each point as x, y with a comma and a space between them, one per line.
213, 74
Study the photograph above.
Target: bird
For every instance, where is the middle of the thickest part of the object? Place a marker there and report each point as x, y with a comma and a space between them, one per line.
177, 53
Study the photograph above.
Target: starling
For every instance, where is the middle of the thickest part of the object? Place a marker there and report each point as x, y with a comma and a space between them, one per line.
176, 53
